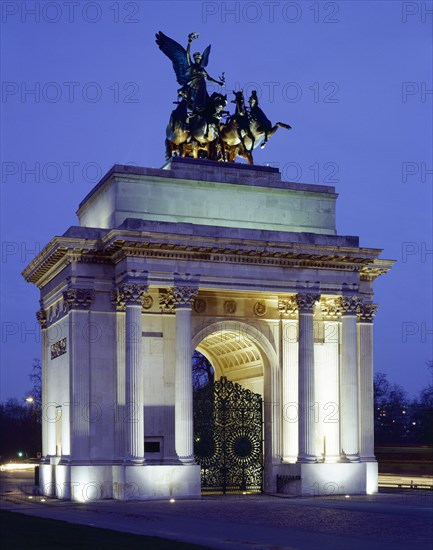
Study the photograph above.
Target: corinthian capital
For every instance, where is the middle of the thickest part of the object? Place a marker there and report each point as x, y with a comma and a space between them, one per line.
288, 306
41, 316
166, 300
131, 293
184, 296
350, 304
78, 298
366, 312
307, 302
331, 309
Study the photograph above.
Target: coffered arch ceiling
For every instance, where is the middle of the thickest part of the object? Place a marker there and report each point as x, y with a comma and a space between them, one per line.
233, 355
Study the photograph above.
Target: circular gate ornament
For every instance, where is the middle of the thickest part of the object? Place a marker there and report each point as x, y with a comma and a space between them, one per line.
243, 447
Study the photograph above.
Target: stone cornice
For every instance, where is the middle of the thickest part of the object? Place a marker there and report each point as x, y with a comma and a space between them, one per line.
117, 244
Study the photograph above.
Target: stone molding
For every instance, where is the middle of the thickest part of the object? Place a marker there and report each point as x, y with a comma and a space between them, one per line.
78, 298
366, 312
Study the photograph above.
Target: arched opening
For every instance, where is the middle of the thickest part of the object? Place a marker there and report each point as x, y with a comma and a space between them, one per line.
245, 356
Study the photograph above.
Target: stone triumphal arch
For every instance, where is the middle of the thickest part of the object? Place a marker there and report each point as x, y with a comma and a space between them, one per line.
230, 261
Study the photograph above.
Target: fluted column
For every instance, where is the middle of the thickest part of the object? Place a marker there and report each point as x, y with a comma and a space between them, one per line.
289, 359
119, 411
349, 379
330, 405
366, 313
166, 304
75, 421
306, 304
133, 294
183, 298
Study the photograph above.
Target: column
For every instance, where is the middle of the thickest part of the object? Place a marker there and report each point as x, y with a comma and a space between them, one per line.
306, 304
166, 304
183, 298
366, 313
48, 427
119, 411
133, 294
349, 379
75, 417
331, 409
289, 395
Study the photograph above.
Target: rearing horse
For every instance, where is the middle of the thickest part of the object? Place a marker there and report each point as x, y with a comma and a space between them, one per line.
260, 125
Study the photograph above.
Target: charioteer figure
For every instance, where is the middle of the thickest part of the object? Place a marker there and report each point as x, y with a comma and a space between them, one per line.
191, 75
199, 126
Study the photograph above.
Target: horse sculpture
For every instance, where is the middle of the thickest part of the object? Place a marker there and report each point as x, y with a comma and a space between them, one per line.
235, 131
177, 131
196, 128
205, 127
260, 125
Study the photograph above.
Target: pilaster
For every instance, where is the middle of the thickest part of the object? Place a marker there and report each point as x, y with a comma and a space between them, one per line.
289, 357
48, 428
75, 421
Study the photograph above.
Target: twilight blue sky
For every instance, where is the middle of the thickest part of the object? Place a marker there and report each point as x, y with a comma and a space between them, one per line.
351, 77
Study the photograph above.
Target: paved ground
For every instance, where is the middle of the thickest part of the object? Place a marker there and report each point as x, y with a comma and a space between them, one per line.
394, 520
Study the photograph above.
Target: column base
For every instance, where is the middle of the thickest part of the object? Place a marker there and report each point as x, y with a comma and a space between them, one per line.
306, 459
353, 458
133, 461
85, 483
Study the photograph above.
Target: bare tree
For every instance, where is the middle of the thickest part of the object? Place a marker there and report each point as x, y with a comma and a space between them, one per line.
202, 371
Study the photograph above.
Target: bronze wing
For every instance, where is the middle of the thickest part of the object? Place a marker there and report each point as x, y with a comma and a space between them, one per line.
205, 56
177, 55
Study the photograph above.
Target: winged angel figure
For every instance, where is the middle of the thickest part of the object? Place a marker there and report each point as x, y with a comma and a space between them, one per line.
191, 75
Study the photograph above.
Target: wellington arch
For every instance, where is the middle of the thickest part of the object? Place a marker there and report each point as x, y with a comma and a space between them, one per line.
231, 261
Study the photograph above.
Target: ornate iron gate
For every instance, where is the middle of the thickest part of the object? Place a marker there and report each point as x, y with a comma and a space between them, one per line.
228, 443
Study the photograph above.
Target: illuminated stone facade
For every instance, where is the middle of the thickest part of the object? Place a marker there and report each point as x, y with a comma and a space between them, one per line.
235, 263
